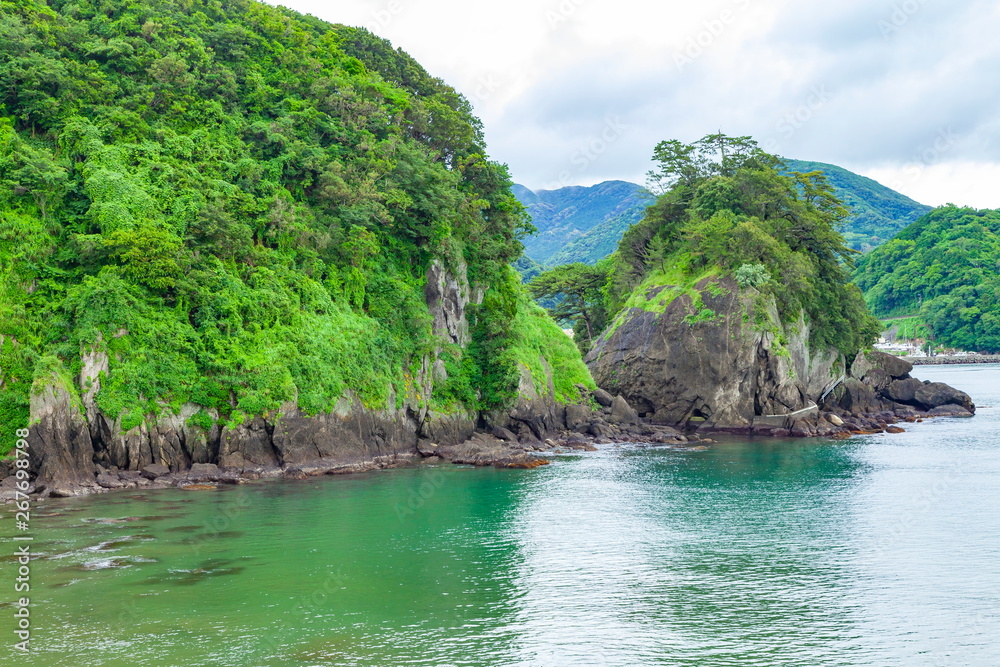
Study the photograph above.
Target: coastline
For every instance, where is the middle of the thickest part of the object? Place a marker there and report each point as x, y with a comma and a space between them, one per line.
498, 448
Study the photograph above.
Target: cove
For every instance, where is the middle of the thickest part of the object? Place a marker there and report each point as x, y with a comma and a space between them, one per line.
879, 550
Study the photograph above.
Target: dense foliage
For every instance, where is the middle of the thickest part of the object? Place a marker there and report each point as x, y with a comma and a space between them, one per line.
875, 213
577, 295
240, 204
944, 269
726, 208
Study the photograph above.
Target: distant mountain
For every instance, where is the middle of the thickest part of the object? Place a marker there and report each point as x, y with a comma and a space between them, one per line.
877, 213
580, 224
584, 224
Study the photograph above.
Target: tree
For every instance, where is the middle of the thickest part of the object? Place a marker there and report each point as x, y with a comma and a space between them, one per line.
725, 206
577, 289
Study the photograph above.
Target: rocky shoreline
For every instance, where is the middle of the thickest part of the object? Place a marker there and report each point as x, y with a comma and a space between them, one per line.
866, 405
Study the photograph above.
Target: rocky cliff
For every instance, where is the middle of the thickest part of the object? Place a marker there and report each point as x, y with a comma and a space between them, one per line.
716, 358
77, 448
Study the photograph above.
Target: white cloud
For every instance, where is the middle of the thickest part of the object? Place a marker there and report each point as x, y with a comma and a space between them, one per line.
954, 182
867, 84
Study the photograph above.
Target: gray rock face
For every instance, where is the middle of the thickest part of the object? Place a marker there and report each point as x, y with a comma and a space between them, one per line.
723, 361
447, 298
350, 434
903, 391
936, 394
71, 437
682, 368
875, 359
603, 398
62, 452
622, 412
881, 383
577, 417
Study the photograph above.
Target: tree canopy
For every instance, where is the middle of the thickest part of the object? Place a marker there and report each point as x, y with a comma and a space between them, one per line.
727, 208
240, 204
945, 270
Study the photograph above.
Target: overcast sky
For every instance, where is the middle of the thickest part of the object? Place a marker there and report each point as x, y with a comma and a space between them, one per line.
575, 92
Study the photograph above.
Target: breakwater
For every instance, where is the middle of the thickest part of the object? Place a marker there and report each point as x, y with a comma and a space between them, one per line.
943, 360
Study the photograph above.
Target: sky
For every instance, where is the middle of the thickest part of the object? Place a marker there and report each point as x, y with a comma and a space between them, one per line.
576, 92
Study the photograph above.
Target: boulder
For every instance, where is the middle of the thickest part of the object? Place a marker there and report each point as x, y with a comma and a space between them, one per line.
427, 448
577, 417
936, 394
204, 471
109, 481
903, 391
154, 470
503, 434
872, 359
603, 398
950, 411
877, 379
62, 452
622, 412
858, 397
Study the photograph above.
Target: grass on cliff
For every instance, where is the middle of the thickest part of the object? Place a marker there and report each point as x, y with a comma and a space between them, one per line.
660, 289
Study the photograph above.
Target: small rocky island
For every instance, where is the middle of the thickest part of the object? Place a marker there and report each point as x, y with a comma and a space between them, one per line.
735, 375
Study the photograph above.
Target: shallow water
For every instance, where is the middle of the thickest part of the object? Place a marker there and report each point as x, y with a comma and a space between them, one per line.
882, 550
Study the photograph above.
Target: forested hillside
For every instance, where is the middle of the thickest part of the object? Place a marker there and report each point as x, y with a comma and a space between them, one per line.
875, 213
727, 210
580, 224
239, 205
945, 269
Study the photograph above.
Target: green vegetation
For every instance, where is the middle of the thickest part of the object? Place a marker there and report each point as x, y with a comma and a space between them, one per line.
942, 269
239, 205
580, 224
576, 290
875, 213
906, 328
727, 210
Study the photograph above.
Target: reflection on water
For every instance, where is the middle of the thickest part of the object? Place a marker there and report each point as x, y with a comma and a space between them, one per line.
875, 551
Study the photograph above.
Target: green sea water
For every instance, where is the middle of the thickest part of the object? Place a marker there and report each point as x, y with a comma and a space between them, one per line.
881, 550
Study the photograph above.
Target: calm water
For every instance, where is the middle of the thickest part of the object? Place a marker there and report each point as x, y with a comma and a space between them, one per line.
883, 550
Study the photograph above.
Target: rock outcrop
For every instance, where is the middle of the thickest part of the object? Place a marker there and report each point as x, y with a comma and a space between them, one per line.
718, 359
718, 372
59, 441
77, 448
880, 383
